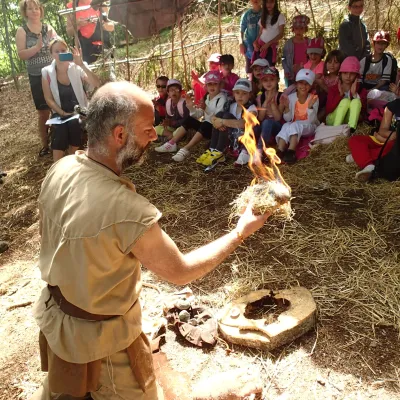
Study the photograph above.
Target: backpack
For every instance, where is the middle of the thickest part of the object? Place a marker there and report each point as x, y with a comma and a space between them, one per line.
388, 167
180, 107
393, 71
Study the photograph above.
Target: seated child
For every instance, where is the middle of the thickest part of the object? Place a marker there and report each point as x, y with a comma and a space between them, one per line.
269, 109
300, 112
198, 84
257, 69
365, 150
229, 125
330, 78
375, 69
295, 49
160, 101
228, 77
330, 75
214, 103
376, 72
176, 111
316, 52
345, 100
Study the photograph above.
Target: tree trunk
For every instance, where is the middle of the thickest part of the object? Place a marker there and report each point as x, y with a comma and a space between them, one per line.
377, 12
8, 44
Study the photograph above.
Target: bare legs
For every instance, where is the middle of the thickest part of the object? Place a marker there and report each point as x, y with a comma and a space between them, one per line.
43, 116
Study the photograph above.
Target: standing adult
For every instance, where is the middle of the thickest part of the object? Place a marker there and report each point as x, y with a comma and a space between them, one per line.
32, 42
89, 32
95, 233
353, 33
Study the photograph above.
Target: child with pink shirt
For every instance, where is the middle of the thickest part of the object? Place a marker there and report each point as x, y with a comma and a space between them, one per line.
295, 49
316, 52
229, 78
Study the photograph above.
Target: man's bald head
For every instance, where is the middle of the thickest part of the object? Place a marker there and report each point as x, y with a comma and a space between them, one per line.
116, 103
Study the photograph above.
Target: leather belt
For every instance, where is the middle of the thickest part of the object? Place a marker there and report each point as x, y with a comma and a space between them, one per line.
71, 310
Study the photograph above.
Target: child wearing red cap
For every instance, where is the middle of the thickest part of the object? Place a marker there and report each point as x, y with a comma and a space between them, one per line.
347, 98
295, 49
315, 52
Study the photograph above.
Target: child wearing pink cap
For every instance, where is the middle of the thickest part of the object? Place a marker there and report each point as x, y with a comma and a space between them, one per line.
315, 52
295, 49
214, 103
198, 84
347, 98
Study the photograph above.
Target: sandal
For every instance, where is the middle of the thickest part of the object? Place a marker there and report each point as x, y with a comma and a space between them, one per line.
44, 152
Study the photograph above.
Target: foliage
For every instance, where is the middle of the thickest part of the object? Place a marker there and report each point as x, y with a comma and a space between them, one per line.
328, 16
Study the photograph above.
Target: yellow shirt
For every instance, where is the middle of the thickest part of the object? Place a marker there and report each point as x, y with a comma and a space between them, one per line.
90, 218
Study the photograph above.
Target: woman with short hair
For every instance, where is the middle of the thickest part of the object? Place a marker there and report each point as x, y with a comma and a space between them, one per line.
32, 42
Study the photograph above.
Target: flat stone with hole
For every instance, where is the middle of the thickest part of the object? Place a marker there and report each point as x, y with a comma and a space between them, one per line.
267, 320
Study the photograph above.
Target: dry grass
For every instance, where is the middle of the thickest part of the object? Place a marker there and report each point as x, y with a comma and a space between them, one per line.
342, 244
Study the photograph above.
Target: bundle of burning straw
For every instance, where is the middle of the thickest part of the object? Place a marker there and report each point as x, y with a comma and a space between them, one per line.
268, 192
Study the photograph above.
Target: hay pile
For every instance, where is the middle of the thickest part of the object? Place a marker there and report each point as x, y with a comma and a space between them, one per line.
343, 243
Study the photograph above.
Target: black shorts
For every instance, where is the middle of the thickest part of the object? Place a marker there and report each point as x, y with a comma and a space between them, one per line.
205, 128
37, 92
65, 135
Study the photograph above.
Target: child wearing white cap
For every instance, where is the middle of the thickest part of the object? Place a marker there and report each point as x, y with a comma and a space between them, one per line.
300, 114
257, 69
228, 127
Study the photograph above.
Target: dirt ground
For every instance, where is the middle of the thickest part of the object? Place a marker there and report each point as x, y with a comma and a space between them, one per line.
353, 352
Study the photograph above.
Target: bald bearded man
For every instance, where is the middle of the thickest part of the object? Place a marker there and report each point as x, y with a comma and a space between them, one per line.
96, 231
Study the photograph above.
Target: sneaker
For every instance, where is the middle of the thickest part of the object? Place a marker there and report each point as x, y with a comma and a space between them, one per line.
243, 159
349, 159
215, 156
203, 156
167, 148
181, 155
365, 174
289, 157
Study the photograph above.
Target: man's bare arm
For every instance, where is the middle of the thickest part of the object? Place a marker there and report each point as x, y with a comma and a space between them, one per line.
158, 252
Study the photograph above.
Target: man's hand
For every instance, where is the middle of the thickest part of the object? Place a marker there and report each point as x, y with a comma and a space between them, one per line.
242, 48
250, 223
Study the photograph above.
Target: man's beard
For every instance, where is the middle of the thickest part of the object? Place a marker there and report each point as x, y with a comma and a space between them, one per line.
132, 153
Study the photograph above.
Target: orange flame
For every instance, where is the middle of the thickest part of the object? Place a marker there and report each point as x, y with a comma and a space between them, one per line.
260, 170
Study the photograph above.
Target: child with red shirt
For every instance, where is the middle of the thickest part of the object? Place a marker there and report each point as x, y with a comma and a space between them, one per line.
160, 101
227, 63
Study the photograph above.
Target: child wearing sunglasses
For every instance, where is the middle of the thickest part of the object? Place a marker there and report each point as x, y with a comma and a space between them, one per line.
160, 101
